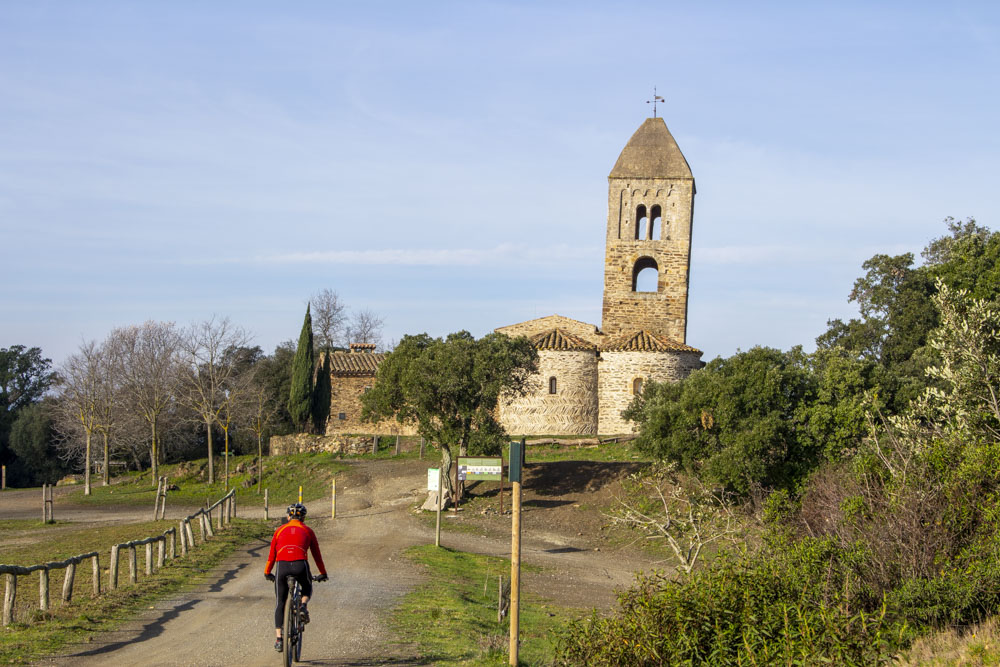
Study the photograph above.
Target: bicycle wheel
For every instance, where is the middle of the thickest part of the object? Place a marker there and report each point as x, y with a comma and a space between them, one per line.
298, 641
291, 618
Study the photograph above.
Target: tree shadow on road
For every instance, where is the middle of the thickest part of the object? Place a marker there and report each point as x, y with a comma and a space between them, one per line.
153, 628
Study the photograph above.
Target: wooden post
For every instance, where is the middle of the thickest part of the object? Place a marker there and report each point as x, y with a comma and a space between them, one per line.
374, 445
201, 526
149, 559
43, 589
515, 571
10, 593
208, 523
95, 562
161, 547
437, 527
68, 582
421, 448
190, 533
221, 518
172, 551
397, 444
3, 477
113, 568
333, 498
133, 565
184, 547
265, 506
45, 504
233, 508
156, 499
300, 494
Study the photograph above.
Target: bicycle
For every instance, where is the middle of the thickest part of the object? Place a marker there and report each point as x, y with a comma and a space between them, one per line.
293, 626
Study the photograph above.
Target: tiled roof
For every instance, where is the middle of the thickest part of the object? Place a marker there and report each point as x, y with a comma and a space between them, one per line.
557, 339
355, 363
644, 341
651, 153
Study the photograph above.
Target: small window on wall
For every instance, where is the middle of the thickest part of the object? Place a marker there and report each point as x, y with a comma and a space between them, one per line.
655, 225
341, 416
552, 385
637, 386
641, 222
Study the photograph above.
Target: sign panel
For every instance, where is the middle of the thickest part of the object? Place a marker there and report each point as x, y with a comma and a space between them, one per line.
475, 469
432, 479
516, 461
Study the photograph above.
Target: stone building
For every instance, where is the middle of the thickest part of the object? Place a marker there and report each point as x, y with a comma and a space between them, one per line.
588, 375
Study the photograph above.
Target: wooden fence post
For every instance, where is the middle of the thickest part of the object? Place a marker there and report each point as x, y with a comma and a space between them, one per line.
421, 448
397, 444
133, 576
221, 518
374, 444
45, 504
43, 589
3, 477
161, 548
113, 568
96, 564
266, 517
190, 533
68, 582
156, 499
208, 523
10, 593
233, 508
149, 559
172, 551
184, 547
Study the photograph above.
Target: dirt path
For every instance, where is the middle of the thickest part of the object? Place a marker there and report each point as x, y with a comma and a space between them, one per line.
228, 620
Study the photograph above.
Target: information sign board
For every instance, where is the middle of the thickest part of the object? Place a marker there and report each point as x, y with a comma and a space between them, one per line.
516, 461
432, 479
480, 469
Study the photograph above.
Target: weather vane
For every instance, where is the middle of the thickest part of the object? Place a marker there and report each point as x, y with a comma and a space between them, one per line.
656, 98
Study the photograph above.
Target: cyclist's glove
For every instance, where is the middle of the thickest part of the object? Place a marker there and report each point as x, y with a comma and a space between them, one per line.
322, 577
269, 577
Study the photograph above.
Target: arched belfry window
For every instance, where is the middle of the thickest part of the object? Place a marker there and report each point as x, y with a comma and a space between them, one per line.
641, 222
637, 386
552, 385
655, 224
645, 275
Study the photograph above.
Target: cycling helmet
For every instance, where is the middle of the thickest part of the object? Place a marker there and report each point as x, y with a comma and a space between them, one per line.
297, 511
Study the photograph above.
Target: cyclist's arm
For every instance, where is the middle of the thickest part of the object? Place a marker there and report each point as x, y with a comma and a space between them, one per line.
273, 554
314, 547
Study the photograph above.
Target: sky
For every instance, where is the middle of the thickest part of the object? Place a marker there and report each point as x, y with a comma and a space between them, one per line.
445, 164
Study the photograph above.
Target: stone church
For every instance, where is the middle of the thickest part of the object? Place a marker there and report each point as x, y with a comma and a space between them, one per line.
587, 374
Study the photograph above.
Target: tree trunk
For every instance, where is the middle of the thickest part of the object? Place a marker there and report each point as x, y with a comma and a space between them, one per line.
225, 436
107, 460
154, 459
446, 472
86, 470
211, 463
260, 461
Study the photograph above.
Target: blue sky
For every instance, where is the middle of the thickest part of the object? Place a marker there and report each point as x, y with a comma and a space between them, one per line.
445, 163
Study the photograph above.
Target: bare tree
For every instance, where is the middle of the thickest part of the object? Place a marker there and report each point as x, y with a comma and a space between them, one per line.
329, 317
109, 398
258, 410
207, 370
365, 327
80, 386
147, 356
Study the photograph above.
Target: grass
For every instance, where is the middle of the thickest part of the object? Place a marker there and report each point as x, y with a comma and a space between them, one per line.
976, 645
609, 451
451, 619
36, 634
282, 477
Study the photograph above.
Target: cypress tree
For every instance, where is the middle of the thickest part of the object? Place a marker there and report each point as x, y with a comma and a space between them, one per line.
321, 394
300, 396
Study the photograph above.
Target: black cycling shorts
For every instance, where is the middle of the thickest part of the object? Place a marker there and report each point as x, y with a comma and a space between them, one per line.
284, 568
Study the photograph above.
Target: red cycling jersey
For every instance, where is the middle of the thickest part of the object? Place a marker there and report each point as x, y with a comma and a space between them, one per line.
291, 542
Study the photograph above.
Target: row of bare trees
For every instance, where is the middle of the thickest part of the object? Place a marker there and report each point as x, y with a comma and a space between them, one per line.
127, 389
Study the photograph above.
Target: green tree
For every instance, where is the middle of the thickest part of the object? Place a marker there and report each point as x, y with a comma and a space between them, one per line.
25, 376
274, 373
450, 388
737, 422
300, 396
322, 393
32, 439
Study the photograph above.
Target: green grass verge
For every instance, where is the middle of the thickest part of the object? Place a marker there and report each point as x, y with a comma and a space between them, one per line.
451, 619
282, 477
36, 634
609, 451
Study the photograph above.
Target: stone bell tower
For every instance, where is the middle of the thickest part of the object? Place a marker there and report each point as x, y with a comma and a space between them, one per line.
648, 255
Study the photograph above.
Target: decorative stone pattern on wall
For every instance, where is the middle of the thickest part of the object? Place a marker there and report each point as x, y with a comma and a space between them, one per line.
663, 311
572, 410
618, 370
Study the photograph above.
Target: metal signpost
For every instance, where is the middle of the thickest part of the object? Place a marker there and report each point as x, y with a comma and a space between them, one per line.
434, 484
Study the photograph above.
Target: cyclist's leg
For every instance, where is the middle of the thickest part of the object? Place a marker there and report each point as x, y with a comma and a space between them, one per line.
280, 595
305, 581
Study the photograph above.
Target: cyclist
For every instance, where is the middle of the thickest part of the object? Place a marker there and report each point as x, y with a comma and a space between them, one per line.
289, 546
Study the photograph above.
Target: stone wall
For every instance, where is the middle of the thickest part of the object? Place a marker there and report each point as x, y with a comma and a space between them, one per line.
571, 410
345, 400
663, 311
298, 443
619, 370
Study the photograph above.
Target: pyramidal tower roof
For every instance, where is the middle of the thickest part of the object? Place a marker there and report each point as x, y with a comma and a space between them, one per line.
651, 153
